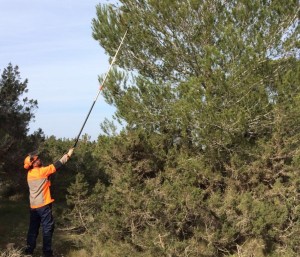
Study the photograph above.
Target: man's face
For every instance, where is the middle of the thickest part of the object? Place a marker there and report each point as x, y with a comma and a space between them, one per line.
37, 163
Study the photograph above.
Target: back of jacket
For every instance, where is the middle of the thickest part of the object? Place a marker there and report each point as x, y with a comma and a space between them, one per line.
39, 186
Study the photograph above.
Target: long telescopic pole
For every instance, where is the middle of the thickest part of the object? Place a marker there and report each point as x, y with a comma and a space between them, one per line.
101, 87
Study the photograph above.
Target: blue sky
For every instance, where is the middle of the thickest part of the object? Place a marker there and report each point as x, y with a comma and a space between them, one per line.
51, 42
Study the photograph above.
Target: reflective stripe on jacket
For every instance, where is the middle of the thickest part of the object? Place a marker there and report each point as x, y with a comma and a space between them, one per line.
39, 186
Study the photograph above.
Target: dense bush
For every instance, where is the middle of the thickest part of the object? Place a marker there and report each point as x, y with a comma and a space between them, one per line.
207, 163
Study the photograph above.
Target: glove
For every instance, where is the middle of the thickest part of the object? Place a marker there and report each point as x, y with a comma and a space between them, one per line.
70, 152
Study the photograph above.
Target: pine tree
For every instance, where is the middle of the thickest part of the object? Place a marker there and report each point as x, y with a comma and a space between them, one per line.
206, 164
16, 111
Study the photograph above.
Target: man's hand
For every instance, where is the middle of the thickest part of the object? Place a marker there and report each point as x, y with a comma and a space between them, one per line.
70, 152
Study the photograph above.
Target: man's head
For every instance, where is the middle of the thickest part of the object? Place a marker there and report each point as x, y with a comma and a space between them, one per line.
32, 160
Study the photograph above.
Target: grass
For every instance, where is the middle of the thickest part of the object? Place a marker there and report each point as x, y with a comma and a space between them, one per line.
14, 219
11, 253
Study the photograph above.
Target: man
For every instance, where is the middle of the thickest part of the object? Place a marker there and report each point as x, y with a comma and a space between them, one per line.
41, 200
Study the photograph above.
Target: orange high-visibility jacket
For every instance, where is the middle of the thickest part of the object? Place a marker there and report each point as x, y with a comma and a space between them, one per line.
39, 186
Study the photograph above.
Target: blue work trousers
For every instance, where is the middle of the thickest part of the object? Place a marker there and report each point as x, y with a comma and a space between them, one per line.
41, 216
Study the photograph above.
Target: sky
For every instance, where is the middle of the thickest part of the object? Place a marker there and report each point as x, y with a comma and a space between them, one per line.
51, 42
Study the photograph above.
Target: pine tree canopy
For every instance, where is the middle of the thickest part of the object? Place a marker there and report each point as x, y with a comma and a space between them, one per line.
208, 161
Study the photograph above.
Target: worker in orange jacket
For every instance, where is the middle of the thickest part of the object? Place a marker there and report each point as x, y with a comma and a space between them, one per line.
41, 200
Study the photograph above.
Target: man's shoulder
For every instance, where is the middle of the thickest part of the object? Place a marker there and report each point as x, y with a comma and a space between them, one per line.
41, 171
47, 169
